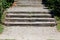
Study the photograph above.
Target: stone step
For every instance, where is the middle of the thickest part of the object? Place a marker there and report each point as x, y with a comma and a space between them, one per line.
31, 19
41, 23
35, 13
28, 14
31, 23
30, 3
27, 5
27, 1
27, 9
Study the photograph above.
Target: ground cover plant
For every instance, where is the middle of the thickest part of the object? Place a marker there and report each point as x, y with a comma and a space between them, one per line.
3, 5
54, 5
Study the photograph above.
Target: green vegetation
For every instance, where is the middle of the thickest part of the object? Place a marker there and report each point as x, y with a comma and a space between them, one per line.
54, 5
50, 39
1, 28
3, 5
7, 3
58, 26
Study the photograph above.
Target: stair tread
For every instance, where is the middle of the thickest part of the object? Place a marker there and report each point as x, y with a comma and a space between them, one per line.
26, 14
30, 5
29, 1
27, 9
33, 18
30, 22
29, 14
18, 3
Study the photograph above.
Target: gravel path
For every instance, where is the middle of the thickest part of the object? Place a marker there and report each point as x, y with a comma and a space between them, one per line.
30, 33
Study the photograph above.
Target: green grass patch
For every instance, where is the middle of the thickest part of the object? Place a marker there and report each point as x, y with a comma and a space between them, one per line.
58, 22
58, 27
1, 28
50, 39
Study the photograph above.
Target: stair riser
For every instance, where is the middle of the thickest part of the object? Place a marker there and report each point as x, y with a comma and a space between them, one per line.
27, 12
30, 24
25, 25
29, 5
28, 1
30, 19
28, 16
42, 23
21, 20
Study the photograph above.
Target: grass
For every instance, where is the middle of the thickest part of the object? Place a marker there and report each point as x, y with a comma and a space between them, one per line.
50, 39
1, 28
58, 27
58, 23
2, 20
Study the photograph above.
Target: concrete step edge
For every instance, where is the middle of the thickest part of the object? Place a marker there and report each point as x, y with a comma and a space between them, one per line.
29, 14
29, 22
33, 18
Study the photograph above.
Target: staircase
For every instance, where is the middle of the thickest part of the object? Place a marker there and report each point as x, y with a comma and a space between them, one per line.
29, 13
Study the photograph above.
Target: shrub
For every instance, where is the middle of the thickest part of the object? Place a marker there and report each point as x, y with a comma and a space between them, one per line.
3, 5
7, 3
54, 5
0, 9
